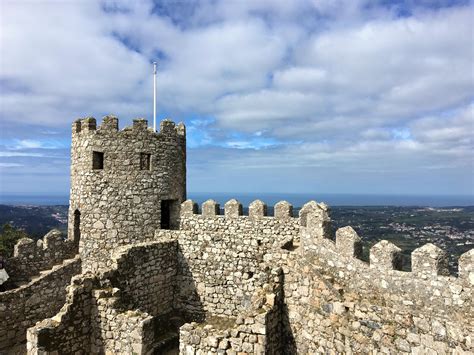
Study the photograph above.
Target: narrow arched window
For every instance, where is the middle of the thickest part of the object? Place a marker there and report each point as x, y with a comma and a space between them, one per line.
77, 226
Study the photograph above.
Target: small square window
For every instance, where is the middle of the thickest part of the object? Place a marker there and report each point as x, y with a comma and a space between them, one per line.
97, 160
145, 161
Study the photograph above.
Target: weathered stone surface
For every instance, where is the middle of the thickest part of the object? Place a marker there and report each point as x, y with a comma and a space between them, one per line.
42, 297
211, 208
257, 209
348, 242
385, 255
233, 209
283, 210
466, 266
30, 258
189, 207
429, 260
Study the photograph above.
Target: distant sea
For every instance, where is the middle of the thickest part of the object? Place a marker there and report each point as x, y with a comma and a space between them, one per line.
271, 198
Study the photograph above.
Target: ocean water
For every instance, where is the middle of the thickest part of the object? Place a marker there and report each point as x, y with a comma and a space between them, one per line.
270, 199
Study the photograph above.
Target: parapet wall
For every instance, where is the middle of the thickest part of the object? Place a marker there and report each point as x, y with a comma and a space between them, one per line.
256, 228
118, 180
22, 307
31, 257
338, 303
220, 258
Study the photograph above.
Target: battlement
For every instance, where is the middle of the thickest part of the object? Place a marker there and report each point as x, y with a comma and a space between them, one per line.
30, 257
428, 284
110, 125
233, 209
427, 261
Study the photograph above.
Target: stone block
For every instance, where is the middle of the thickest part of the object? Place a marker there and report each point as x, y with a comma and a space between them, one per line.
348, 242
88, 124
385, 256
188, 208
211, 208
466, 267
308, 207
257, 209
283, 210
167, 127
429, 260
233, 209
140, 124
109, 123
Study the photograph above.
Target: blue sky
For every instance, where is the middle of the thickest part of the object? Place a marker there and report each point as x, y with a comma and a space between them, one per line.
340, 96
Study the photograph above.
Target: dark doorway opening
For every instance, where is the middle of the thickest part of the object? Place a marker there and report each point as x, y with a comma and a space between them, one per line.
166, 214
77, 226
169, 214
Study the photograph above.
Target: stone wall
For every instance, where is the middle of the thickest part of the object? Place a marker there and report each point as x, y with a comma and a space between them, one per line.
340, 304
257, 330
30, 257
69, 331
115, 331
22, 307
113, 311
221, 257
146, 276
118, 180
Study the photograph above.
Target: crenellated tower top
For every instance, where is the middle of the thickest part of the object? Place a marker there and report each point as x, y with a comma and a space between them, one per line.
125, 184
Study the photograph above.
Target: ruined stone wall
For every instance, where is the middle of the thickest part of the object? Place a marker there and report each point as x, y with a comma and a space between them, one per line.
115, 331
31, 257
254, 331
340, 304
146, 276
69, 331
221, 257
116, 192
113, 311
22, 307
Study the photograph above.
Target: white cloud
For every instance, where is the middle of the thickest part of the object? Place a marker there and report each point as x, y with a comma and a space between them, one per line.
10, 165
358, 87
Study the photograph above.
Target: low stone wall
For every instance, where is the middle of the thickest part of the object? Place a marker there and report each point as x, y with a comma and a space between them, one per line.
255, 331
146, 276
340, 304
22, 307
116, 332
113, 311
69, 331
31, 257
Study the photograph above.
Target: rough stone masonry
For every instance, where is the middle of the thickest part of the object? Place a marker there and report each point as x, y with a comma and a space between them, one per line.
156, 274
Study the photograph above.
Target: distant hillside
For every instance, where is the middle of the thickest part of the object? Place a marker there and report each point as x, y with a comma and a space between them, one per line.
35, 220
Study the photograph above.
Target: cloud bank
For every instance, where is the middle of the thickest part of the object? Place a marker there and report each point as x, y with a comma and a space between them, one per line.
290, 96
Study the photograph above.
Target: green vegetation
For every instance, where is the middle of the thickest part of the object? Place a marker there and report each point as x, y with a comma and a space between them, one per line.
8, 238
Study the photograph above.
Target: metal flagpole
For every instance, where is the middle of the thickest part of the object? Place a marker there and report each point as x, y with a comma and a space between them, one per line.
154, 96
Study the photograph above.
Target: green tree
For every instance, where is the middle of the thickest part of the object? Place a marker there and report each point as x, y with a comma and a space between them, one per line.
8, 237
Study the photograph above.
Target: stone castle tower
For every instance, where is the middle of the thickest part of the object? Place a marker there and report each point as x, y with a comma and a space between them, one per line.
125, 184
